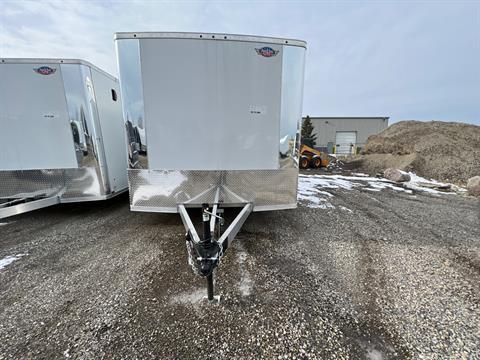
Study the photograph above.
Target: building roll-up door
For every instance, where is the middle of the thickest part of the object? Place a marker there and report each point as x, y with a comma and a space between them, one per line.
345, 142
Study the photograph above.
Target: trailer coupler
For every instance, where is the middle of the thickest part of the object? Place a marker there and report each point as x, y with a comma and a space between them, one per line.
204, 254
204, 257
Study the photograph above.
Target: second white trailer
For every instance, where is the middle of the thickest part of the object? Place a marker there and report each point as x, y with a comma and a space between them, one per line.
61, 134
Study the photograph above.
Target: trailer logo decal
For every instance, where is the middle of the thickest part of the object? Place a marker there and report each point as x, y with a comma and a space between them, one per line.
44, 70
266, 51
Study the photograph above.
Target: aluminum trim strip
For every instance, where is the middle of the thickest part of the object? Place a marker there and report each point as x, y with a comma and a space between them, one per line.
209, 36
162, 210
174, 210
92, 198
29, 206
274, 207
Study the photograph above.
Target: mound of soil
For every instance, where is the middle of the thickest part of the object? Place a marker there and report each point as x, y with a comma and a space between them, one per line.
438, 150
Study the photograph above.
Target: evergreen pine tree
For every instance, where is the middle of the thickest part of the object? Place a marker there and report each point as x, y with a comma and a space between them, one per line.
308, 137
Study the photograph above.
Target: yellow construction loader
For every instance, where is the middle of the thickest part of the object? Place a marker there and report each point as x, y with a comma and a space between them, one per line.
309, 157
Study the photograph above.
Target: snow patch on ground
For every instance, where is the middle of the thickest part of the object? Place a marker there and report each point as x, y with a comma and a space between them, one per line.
187, 298
312, 188
310, 194
416, 182
246, 283
378, 185
9, 259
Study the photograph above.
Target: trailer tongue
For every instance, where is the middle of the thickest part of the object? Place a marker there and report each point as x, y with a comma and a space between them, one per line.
212, 122
205, 253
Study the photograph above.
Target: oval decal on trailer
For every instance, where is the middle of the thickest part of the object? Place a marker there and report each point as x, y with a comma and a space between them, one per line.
266, 51
44, 70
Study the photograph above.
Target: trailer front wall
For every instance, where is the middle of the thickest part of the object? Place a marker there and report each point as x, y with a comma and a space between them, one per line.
219, 105
205, 112
34, 128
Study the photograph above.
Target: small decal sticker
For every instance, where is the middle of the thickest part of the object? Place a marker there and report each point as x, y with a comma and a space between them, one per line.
50, 115
266, 51
258, 109
44, 70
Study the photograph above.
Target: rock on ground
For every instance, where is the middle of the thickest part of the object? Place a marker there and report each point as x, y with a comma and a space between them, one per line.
396, 175
474, 190
473, 186
474, 181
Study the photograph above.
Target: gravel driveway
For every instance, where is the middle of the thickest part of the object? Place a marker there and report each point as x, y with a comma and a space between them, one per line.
378, 274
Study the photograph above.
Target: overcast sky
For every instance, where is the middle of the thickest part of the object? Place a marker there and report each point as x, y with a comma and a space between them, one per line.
403, 59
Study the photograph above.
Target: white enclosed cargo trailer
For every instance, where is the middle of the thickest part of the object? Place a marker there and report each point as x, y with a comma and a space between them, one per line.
212, 121
61, 134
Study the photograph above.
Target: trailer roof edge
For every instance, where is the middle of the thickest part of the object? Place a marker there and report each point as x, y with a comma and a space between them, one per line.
346, 117
209, 36
55, 61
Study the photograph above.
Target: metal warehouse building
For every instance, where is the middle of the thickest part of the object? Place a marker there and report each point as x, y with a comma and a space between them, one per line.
345, 135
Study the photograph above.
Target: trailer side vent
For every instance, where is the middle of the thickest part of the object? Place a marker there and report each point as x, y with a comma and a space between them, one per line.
114, 95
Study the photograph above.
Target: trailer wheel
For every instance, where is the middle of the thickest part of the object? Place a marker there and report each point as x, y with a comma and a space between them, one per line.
316, 163
303, 163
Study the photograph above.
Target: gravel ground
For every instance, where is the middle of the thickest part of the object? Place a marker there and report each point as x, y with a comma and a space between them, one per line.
379, 275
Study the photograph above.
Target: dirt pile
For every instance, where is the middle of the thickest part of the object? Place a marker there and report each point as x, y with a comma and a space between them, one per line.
443, 151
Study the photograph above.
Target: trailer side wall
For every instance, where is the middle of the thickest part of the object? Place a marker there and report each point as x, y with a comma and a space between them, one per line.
112, 129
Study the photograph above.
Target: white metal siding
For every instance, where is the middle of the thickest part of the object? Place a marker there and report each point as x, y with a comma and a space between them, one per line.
211, 105
345, 142
35, 130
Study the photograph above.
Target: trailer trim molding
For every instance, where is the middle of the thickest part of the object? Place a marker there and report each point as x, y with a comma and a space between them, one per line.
28, 206
93, 198
209, 36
